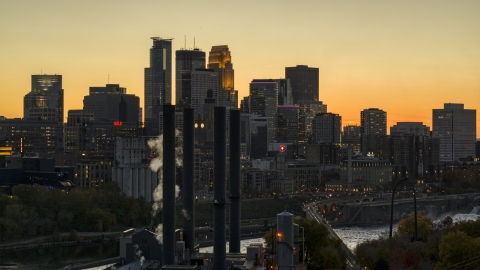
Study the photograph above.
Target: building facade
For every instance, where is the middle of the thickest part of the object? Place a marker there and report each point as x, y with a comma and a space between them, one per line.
374, 124
158, 82
51, 86
186, 61
264, 101
455, 126
304, 81
327, 128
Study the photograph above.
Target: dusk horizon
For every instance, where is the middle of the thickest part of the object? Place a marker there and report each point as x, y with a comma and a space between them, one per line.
404, 58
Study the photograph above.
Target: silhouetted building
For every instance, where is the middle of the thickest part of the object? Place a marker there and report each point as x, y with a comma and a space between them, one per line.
374, 124
304, 81
412, 128
36, 99
202, 81
264, 101
352, 137
284, 92
253, 132
110, 104
186, 62
327, 128
32, 137
287, 123
158, 83
308, 109
51, 85
456, 129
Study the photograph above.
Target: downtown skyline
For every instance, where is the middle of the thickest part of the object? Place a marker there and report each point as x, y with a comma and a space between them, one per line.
404, 58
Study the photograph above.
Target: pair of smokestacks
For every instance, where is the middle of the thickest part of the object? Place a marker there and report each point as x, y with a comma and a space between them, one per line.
168, 213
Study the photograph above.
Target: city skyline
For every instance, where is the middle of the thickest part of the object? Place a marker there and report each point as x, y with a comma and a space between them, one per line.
404, 58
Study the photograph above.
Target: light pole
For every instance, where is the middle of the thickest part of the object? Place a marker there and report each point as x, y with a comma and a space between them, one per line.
414, 206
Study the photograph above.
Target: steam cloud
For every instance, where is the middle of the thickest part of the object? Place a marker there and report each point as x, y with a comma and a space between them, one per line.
156, 165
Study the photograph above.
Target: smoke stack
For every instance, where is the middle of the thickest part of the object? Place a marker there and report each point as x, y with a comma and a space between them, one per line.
234, 239
168, 212
219, 161
188, 175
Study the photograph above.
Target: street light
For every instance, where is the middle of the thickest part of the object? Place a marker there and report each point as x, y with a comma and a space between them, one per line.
414, 206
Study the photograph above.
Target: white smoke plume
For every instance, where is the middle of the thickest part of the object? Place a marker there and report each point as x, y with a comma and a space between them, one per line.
156, 165
185, 214
138, 254
159, 233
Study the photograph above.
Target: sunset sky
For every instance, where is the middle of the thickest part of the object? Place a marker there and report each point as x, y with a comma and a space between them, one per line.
405, 57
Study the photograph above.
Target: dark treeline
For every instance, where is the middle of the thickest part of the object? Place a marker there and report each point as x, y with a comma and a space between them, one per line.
446, 245
34, 210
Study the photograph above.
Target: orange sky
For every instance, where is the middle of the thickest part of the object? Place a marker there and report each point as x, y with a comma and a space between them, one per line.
405, 57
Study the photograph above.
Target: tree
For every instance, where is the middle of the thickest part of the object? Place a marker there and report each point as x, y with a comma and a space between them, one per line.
457, 249
424, 224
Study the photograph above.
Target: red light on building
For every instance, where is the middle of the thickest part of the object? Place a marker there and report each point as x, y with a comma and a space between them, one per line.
118, 123
282, 148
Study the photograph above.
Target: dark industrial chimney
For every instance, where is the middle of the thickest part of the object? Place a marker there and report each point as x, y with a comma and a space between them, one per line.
168, 212
219, 162
188, 176
234, 245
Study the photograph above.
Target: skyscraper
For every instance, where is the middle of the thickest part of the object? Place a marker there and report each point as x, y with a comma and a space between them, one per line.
186, 62
264, 101
203, 80
284, 92
51, 85
304, 81
456, 128
327, 128
287, 123
158, 82
374, 123
220, 60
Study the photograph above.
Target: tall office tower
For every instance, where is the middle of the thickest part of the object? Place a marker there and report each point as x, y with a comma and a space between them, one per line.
308, 109
36, 99
327, 128
253, 132
203, 80
220, 60
284, 92
51, 85
456, 128
352, 137
111, 103
76, 139
287, 123
245, 105
264, 102
186, 62
304, 81
374, 124
158, 83
410, 128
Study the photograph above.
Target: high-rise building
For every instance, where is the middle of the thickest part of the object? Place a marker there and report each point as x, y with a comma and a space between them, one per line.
220, 60
374, 124
111, 103
351, 136
308, 109
51, 86
36, 100
410, 128
304, 81
203, 80
287, 123
264, 102
158, 82
284, 92
327, 128
186, 61
456, 128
